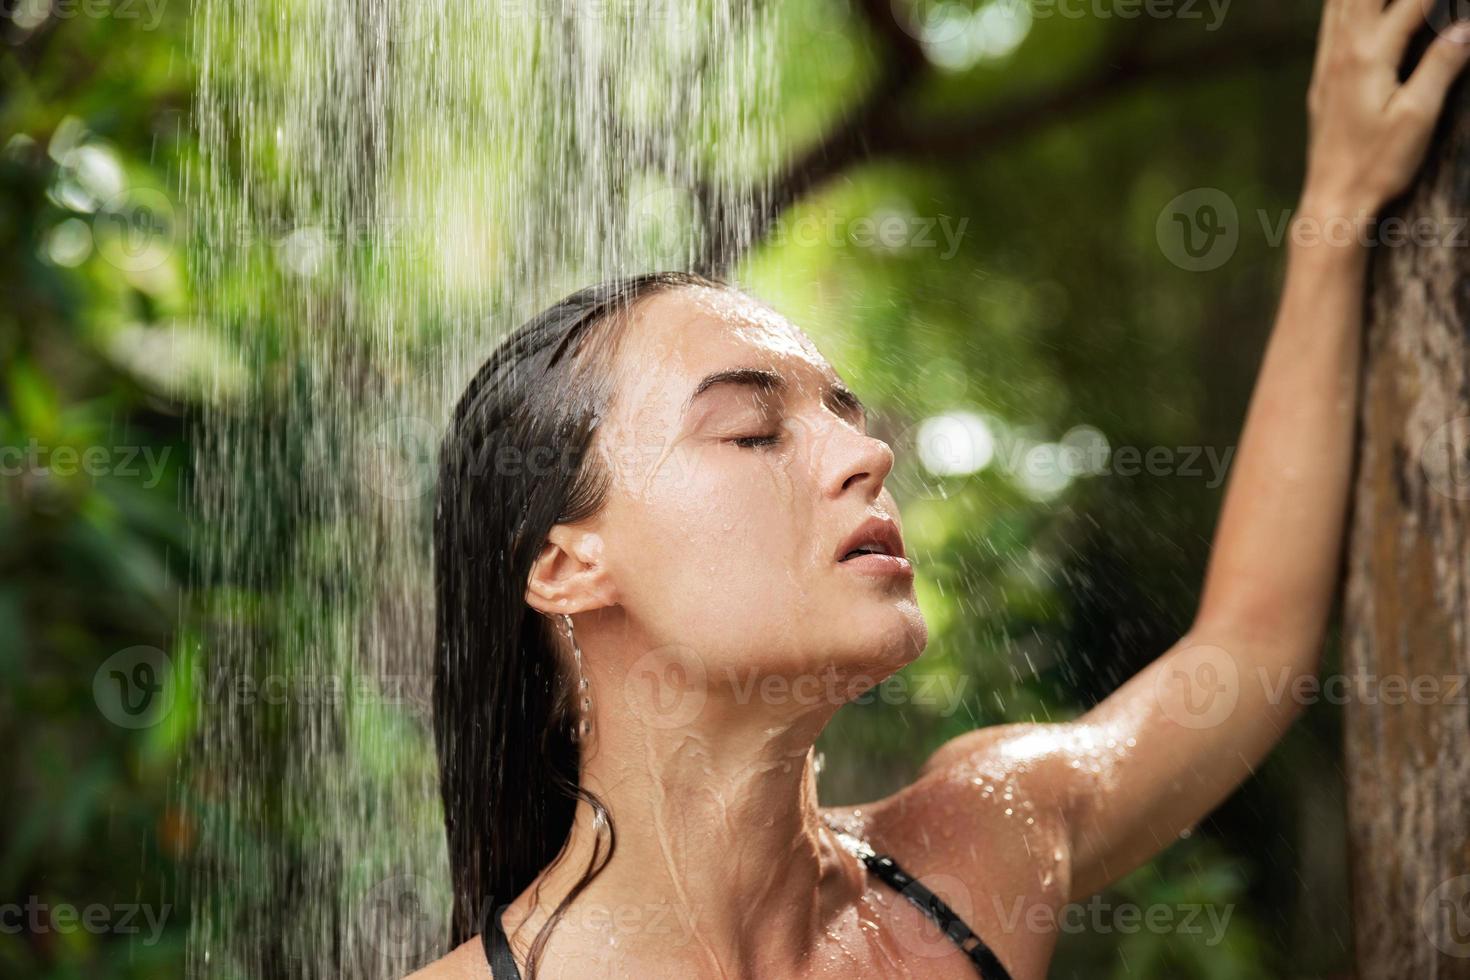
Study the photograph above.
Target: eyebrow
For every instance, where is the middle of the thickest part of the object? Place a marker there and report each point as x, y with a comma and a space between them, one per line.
838, 394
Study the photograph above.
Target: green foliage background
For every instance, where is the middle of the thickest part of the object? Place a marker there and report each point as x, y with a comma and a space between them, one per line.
1058, 308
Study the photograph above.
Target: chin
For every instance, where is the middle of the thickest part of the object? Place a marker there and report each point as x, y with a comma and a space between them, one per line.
885, 639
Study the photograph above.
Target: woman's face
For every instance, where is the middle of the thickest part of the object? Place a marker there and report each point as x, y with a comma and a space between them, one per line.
729, 506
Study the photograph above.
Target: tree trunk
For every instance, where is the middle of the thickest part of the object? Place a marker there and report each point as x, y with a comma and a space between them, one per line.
1407, 612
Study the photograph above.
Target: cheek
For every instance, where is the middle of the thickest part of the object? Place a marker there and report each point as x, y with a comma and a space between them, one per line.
725, 505
713, 544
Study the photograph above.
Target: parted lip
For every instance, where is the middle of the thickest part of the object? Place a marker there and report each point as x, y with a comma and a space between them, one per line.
878, 533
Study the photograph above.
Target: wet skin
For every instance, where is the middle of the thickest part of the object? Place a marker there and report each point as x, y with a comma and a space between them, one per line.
712, 570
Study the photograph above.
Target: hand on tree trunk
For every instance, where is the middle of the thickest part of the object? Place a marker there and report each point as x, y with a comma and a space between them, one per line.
1369, 131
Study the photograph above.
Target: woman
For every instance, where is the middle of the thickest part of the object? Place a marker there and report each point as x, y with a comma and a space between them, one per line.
666, 554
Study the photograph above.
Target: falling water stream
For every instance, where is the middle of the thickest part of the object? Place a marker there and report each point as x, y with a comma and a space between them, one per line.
382, 191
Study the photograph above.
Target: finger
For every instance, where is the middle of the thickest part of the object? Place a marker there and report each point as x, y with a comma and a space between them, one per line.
1424, 92
1361, 11
1330, 38
1401, 21
1328, 34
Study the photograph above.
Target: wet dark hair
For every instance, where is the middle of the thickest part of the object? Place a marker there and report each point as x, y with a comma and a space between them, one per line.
514, 462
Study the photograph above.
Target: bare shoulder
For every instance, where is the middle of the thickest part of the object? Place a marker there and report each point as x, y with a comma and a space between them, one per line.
986, 797
1048, 757
987, 826
464, 962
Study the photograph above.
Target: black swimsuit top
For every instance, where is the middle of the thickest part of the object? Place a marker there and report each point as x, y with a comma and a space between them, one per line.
987, 965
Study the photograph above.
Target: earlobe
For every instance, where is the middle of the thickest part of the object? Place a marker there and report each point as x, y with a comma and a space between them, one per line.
569, 575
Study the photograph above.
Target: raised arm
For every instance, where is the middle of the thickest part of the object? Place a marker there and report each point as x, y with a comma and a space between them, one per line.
1174, 740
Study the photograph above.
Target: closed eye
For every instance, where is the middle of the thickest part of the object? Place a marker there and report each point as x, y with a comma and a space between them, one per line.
753, 442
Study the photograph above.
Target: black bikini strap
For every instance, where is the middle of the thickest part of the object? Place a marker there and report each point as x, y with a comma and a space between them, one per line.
497, 950
935, 908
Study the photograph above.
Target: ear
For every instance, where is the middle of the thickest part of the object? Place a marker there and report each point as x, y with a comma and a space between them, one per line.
569, 575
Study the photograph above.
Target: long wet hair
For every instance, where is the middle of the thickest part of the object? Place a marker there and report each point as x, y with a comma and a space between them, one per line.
515, 461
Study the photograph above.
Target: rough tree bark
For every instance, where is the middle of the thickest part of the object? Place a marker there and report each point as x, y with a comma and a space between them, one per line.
1407, 610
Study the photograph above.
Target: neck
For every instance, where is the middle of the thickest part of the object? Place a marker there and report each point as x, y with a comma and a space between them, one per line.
717, 826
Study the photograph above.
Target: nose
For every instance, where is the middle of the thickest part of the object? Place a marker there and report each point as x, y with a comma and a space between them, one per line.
851, 459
